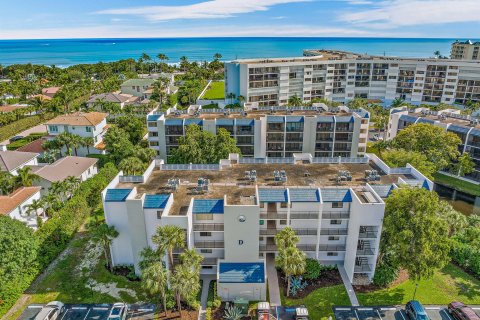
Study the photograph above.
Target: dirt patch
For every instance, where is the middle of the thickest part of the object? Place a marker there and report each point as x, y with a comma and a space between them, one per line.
402, 277
328, 278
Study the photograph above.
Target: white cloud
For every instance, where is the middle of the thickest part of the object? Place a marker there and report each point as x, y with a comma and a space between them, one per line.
212, 9
398, 13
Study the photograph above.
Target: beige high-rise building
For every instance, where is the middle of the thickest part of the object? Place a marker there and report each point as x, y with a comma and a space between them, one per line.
465, 50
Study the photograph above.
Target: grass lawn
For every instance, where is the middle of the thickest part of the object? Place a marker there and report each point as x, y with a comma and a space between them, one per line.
319, 303
67, 281
216, 91
458, 184
447, 285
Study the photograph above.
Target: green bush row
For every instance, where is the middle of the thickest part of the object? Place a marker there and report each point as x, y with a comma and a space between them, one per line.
16, 127
466, 256
54, 236
20, 143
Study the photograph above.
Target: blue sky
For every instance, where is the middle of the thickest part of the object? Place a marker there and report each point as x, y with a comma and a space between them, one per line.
32, 19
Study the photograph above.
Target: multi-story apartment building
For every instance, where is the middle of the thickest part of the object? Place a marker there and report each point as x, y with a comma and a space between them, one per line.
232, 211
85, 124
269, 131
465, 50
467, 128
343, 76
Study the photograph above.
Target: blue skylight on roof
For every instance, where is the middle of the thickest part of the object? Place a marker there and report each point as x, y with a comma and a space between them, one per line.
174, 122
224, 122
304, 195
336, 195
475, 132
383, 190
193, 121
459, 129
425, 120
154, 117
294, 119
275, 119
425, 185
407, 118
117, 195
273, 195
244, 122
156, 201
241, 272
326, 119
207, 206
344, 119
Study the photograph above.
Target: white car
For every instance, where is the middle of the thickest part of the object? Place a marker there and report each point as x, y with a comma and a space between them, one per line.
51, 311
118, 312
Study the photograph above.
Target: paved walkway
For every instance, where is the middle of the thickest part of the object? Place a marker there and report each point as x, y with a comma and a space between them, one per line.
272, 277
204, 297
348, 287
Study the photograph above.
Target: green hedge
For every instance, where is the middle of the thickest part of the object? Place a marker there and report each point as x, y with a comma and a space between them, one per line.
20, 143
54, 236
466, 256
16, 127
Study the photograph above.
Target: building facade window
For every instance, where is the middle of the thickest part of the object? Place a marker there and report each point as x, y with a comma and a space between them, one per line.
205, 234
88, 129
335, 221
337, 204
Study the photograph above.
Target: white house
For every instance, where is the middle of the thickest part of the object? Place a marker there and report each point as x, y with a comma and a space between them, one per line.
120, 99
84, 124
15, 205
138, 87
11, 161
79, 167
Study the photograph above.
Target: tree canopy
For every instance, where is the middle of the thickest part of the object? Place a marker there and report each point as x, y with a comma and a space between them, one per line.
415, 232
203, 147
399, 158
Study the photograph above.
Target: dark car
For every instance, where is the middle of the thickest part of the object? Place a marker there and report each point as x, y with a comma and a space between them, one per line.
16, 138
462, 312
415, 310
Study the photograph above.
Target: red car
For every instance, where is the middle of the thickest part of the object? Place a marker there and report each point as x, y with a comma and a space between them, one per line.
462, 312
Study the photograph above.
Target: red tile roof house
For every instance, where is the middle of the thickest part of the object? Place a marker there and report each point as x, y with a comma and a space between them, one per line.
15, 205
51, 91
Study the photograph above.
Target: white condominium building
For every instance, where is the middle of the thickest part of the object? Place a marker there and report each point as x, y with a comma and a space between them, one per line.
343, 76
231, 212
467, 128
465, 50
268, 131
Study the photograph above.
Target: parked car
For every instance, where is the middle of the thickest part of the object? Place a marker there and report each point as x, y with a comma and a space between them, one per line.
416, 311
51, 311
460, 311
16, 138
118, 312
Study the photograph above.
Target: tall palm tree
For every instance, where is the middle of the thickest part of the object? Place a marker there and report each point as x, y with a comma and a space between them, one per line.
25, 177
162, 57
76, 142
294, 101
292, 261
241, 99
65, 139
286, 238
397, 103
192, 258
184, 283
32, 209
104, 234
217, 56
167, 238
72, 183
155, 278
52, 203
88, 142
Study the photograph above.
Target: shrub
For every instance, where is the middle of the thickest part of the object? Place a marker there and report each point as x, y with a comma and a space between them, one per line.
313, 269
385, 274
208, 314
23, 124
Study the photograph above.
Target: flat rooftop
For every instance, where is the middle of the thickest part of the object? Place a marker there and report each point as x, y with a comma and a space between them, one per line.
447, 120
239, 190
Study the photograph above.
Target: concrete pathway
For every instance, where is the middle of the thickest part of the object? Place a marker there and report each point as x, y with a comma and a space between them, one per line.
272, 277
37, 129
204, 297
348, 287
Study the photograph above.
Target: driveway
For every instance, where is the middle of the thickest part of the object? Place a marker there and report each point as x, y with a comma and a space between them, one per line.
37, 129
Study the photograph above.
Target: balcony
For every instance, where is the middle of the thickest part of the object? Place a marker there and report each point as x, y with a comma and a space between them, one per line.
209, 262
330, 247
303, 215
305, 232
306, 247
209, 244
363, 268
368, 235
333, 232
365, 252
335, 215
273, 215
268, 247
208, 227
269, 232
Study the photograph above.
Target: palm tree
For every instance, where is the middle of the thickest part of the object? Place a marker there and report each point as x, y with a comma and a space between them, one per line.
162, 57
286, 238
65, 139
52, 203
192, 258
155, 278
397, 103
241, 99
104, 234
7, 182
185, 284
294, 101
72, 183
145, 57
25, 177
65, 96
292, 261
217, 56
168, 238
437, 54
76, 142
231, 96
88, 142
32, 209
131, 165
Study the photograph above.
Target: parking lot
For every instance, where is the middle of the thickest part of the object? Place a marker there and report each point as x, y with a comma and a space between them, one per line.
391, 313
92, 312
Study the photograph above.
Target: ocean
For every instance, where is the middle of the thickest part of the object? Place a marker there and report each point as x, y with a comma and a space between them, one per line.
66, 52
